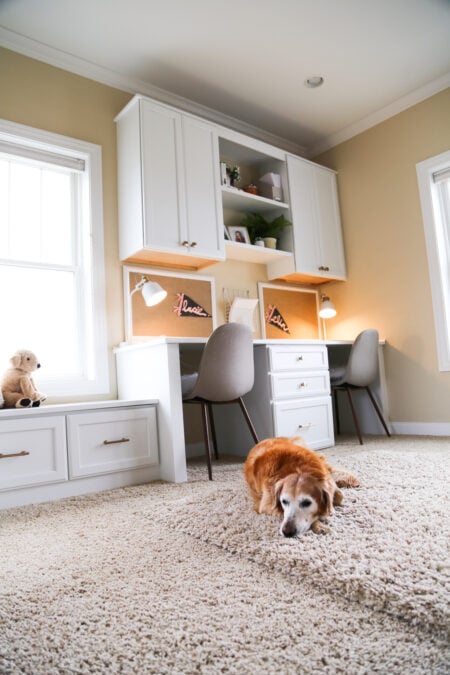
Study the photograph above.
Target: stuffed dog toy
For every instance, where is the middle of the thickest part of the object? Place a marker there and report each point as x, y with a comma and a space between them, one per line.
17, 386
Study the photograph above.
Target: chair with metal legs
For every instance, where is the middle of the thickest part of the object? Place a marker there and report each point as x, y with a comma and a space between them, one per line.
360, 372
226, 372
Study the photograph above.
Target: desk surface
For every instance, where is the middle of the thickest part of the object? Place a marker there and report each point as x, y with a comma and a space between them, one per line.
150, 342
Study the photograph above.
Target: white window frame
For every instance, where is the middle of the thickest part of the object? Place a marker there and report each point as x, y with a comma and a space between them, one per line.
438, 250
95, 378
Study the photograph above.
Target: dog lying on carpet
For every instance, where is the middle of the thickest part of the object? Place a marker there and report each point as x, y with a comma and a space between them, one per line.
290, 480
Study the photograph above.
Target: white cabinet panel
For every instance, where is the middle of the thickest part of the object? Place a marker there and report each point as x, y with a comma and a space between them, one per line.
295, 357
103, 442
162, 176
169, 213
300, 385
32, 452
317, 234
201, 171
311, 419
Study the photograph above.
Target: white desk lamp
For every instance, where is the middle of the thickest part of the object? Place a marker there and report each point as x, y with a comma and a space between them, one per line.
152, 292
326, 311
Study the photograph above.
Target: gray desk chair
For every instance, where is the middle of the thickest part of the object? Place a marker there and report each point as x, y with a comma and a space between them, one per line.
359, 373
226, 372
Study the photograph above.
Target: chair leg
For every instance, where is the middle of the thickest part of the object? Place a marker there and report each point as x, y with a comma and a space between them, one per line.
378, 411
336, 412
248, 420
355, 419
213, 430
206, 434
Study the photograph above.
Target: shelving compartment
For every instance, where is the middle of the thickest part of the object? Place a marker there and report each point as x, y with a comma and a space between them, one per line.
253, 164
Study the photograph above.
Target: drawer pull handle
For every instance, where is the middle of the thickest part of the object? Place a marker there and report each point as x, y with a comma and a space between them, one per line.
300, 385
120, 440
300, 358
14, 454
306, 426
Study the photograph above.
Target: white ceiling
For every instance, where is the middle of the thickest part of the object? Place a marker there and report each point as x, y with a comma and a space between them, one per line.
248, 59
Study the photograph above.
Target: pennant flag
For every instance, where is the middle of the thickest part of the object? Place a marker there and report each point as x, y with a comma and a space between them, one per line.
187, 307
274, 317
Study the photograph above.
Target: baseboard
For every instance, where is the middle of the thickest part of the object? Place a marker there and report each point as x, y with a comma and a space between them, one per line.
421, 428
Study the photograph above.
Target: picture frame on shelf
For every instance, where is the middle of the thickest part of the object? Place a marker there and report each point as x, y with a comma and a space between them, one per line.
239, 234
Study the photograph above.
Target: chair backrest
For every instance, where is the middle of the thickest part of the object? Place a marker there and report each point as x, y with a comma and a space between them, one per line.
362, 366
226, 369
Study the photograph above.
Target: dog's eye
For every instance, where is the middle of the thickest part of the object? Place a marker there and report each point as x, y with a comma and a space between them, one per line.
305, 503
285, 502
28, 358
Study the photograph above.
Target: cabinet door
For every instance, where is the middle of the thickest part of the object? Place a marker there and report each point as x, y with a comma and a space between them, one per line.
108, 441
318, 245
311, 419
202, 181
304, 216
32, 451
329, 224
162, 178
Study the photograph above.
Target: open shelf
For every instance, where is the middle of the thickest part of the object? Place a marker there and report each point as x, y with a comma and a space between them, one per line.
239, 200
254, 254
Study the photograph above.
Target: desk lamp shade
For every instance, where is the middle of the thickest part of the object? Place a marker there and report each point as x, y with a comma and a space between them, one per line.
152, 292
326, 310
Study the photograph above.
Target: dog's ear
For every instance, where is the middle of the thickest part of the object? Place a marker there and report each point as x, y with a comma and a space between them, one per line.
277, 488
325, 499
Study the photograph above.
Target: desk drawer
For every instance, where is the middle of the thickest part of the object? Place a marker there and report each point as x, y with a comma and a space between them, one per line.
300, 384
32, 452
311, 419
293, 357
116, 440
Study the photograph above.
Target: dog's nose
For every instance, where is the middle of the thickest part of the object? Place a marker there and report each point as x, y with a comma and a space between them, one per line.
289, 530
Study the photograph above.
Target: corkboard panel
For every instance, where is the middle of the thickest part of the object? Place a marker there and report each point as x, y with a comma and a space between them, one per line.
289, 313
188, 310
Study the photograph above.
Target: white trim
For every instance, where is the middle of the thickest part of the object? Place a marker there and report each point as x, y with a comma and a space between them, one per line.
421, 428
97, 382
403, 103
73, 64
431, 222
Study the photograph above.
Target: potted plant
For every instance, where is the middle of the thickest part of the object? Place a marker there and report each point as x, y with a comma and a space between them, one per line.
260, 228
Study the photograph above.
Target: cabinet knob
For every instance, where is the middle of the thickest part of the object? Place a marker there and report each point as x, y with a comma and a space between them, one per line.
300, 385
324, 268
300, 358
185, 244
305, 426
193, 244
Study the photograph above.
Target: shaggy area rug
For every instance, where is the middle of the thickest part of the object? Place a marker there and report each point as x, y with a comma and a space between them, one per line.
165, 578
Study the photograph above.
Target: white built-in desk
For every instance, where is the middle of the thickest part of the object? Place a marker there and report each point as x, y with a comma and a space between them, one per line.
152, 370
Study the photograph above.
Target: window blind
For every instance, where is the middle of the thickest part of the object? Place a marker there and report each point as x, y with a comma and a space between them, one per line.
442, 175
39, 155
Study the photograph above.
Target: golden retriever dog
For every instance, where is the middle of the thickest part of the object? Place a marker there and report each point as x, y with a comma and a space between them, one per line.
290, 480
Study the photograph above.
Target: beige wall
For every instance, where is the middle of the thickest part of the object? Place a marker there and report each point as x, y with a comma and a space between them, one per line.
388, 283
45, 97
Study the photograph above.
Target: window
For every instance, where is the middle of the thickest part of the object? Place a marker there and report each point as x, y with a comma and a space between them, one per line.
51, 258
434, 187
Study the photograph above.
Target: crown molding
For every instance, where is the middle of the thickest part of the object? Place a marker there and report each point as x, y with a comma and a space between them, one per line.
381, 115
55, 57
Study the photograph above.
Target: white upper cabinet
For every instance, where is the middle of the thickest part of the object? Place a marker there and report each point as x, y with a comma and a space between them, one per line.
169, 187
316, 234
174, 205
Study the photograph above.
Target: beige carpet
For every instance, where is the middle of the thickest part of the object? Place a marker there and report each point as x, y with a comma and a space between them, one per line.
187, 579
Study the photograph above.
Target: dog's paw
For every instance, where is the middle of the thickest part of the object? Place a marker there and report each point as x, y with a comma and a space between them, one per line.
320, 528
345, 479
